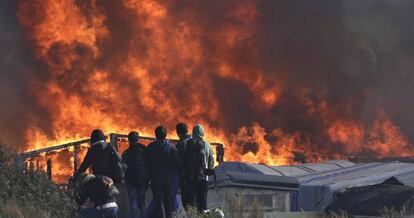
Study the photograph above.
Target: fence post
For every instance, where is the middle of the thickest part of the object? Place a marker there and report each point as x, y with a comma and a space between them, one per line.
220, 153
75, 158
114, 140
49, 168
18, 161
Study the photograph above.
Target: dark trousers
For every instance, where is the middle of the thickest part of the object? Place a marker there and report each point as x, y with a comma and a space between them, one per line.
161, 191
185, 194
136, 200
92, 212
198, 194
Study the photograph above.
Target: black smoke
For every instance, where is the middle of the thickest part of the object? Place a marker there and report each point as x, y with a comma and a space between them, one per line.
18, 108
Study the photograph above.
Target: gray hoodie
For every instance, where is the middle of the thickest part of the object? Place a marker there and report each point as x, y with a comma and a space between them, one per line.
198, 132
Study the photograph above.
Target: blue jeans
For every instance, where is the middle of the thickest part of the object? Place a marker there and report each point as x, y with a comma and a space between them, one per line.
136, 201
174, 191
150, 212
92, 212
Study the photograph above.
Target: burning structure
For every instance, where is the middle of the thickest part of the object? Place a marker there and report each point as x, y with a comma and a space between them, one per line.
62, 161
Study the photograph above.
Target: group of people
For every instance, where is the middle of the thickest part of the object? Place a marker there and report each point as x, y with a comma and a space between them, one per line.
163, 166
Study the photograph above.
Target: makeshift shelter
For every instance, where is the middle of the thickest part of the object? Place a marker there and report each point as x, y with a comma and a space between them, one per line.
250, 183
318, 190
271, 186
374, 200
319, 185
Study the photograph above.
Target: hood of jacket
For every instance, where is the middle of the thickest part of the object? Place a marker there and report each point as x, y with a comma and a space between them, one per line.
198, 131
100, 145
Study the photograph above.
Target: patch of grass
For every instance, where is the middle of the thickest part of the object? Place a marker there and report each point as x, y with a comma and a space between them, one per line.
31, 193
13, 209
239, 208
403, 212
193, 213
341, 214
386, 212
235, 207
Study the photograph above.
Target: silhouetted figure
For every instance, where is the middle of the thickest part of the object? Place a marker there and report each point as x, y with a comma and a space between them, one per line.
136, 174
102, 158
101, 191
199, 157
182, 132
161, 166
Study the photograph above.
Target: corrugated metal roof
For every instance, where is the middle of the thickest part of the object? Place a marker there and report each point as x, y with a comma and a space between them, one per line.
312, 168
251, 180
264, 169
247, 168
362, 174
342, 163
320, 167
292, 170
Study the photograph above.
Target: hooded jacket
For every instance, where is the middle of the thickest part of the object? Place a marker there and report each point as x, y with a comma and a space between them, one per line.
198, 133
100, 157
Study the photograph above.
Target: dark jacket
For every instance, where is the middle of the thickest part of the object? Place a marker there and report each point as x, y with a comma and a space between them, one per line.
161, 158
180, 153
180, 146
135, 158
101, 157
100, 190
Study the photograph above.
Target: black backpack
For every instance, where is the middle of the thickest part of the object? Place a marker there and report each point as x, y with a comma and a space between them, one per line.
117, 168
196, 163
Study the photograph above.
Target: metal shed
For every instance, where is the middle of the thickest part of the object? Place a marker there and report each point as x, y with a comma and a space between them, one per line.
276, 187
271, 192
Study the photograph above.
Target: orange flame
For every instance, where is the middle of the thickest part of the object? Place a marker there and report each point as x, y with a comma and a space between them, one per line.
134, 64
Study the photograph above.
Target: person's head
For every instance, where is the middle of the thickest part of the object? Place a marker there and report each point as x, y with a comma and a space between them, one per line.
198, 131
182, 129
161, 132
97, 135
133, 137
85, 178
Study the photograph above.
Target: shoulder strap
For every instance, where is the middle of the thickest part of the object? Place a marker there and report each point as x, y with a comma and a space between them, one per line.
114, 152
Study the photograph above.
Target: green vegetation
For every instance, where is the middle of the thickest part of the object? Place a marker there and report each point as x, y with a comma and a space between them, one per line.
237, 208
30, 193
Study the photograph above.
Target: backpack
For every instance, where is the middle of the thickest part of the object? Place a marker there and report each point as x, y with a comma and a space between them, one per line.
196, 159
117, 168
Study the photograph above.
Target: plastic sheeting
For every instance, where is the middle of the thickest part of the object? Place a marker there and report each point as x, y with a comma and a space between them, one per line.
316, 191
372, 200
318, 182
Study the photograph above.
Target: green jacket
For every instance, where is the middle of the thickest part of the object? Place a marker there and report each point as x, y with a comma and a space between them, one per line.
198, 132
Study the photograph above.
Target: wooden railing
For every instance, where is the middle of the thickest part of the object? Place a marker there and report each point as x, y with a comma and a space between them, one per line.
114, 138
